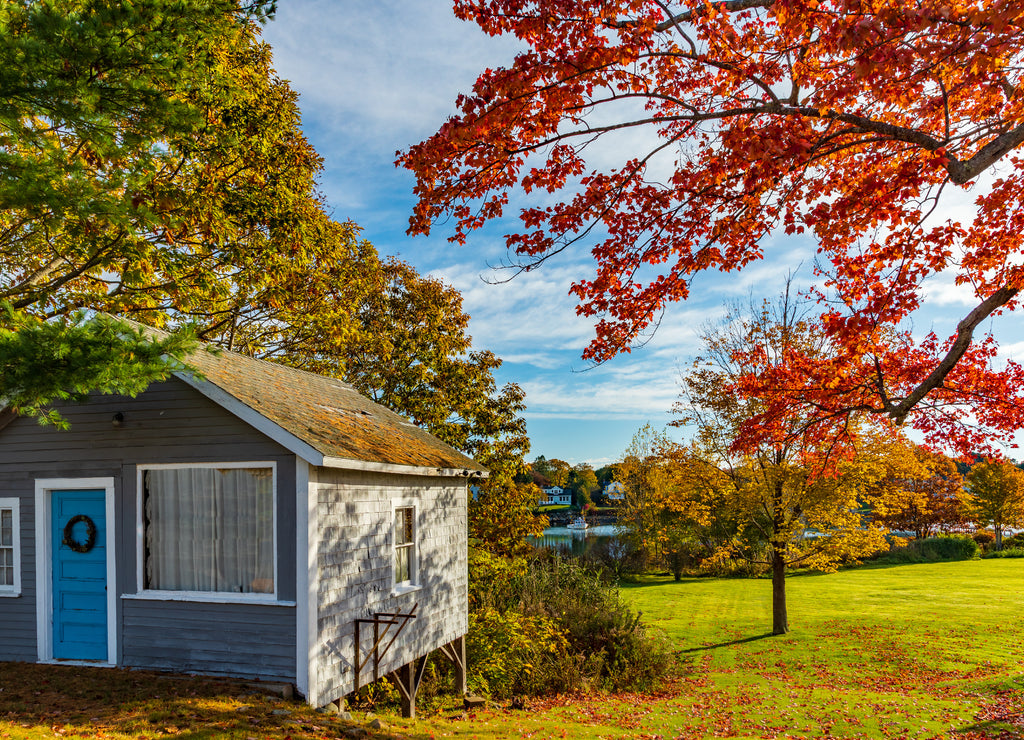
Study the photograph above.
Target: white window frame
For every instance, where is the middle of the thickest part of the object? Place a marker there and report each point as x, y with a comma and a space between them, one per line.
218, 597
413, 584
14, 504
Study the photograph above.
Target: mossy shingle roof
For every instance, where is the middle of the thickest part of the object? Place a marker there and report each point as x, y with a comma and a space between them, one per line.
339, 424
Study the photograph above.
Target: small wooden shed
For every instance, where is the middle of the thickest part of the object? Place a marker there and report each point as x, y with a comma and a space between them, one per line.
250, 520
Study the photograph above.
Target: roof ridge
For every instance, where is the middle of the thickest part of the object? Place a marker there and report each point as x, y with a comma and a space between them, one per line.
213, 348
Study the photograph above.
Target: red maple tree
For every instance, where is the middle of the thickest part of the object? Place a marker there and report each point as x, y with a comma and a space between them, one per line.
847, 119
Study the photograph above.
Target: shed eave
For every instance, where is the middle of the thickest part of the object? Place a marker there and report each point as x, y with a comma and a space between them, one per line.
383, 467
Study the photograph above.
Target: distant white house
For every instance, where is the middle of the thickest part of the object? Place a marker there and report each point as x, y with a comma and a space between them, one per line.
556, 496
615, 491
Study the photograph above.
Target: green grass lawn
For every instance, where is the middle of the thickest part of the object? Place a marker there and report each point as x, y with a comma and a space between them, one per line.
552, 508
914, 651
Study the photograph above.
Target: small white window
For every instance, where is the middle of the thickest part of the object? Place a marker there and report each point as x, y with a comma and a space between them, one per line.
10, 547
405, 546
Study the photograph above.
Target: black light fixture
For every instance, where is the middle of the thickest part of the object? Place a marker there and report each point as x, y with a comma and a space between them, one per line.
118, 420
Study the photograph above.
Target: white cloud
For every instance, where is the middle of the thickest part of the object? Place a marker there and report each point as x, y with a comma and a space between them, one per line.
388, 71
540, 360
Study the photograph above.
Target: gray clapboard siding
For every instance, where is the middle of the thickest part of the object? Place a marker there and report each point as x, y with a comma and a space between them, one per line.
18, 614
355, 570
248, 640
169, 423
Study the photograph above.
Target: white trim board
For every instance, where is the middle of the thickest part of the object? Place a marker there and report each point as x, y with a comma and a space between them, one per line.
44, 562
306, 541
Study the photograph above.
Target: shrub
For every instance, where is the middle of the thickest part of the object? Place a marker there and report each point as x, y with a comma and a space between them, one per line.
619, 652
947, 548
615, 557
512, 653
1012, 552
984, 538
932, 550
1014, 542
554, 624
495, 581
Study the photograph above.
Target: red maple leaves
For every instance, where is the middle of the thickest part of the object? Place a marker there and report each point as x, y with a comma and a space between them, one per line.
847, 119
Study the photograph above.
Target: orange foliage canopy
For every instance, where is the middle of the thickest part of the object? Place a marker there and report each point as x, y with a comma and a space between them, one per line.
843, 118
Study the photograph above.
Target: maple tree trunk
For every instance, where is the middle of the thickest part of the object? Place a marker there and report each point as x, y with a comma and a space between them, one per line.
999, 536
780, 616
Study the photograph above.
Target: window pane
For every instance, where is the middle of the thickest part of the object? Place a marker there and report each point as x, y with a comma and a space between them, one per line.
403, 526
6, 528
6, 567
402, 564
408, 526
210, 529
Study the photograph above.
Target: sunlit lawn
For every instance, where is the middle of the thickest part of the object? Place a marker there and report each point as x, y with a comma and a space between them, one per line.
909, 651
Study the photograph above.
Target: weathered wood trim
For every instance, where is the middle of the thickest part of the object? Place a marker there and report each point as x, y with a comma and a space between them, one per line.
44, 566
206, 597
306, 541
306, 451
344, 463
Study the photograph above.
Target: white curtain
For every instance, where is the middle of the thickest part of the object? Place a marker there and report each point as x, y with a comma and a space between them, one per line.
209, 529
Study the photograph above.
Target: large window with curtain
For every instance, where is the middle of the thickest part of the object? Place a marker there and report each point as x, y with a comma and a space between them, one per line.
10, 557
208, 529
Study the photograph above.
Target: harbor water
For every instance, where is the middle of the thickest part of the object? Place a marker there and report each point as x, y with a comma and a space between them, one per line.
574, 541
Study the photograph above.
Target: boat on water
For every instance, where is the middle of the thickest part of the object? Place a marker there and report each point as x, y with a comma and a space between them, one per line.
578, 523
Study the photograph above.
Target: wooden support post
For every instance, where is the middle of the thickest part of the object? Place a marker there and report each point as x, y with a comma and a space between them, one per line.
376, 648
455, 651
408, 678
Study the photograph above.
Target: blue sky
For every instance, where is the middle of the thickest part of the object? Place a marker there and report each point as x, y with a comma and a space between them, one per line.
375, 78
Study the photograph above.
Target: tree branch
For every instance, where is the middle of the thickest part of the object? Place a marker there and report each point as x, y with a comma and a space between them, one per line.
964, 335
726, 5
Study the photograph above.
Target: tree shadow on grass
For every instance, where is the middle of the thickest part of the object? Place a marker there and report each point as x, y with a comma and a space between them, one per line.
741, 641
647, 581
85, 702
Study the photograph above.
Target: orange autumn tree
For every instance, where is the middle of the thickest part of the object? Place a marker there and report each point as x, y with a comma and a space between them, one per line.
922, 492
790, 501
719, 122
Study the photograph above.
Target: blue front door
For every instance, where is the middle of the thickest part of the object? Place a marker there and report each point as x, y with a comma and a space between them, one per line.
79, 575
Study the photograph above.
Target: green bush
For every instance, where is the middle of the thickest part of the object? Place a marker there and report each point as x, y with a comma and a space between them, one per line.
1014, 542
553, 624
512, 653
619, 652
1012, 552
494, 581
932, 550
